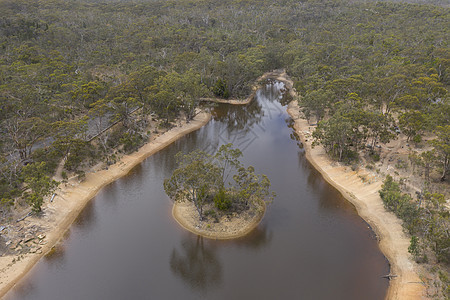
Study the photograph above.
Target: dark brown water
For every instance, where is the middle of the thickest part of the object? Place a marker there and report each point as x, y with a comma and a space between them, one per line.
311, 243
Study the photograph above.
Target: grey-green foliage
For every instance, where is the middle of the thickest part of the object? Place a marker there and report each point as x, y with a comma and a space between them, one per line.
38, 185
203, 178
428, 219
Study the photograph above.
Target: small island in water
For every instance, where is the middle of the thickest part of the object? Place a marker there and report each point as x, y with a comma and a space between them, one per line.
215, 196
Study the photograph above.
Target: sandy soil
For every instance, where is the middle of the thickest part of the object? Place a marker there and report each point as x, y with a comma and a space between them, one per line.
227, 228
231, 101
71, 199
361, 189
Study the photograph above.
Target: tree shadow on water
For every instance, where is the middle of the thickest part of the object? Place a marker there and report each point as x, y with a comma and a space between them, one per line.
255, 240
197, 264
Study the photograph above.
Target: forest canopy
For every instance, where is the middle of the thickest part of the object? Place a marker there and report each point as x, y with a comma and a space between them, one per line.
70, 68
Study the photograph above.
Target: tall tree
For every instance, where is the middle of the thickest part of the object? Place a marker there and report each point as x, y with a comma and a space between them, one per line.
195, 178
442, 146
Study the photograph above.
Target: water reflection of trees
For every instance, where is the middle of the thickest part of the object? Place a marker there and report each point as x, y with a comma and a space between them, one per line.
330, 199
294, 135
197, 264
256, 239
276, 91
237, 117
241, 119
87, 217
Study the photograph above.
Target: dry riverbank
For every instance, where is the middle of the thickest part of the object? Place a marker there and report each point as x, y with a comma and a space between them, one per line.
362, 193
71, 199
230, 101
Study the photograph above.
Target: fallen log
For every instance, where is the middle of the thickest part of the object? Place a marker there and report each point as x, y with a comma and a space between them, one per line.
26, 216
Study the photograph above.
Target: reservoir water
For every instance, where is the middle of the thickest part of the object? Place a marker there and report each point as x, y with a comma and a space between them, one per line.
125, 244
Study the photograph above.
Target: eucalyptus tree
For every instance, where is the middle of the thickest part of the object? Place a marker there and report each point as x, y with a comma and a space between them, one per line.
194, 180
202, 179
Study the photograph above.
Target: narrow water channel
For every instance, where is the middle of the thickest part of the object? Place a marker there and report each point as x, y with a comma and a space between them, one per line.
311, 243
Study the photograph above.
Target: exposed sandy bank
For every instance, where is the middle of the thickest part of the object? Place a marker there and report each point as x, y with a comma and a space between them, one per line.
227, 228
230, 101
361, 189
70, 200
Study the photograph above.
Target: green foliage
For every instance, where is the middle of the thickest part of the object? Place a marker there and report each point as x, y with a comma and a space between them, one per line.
443, 276
251, 186
316, 103
79, 152
131, 141
401, 204
6, 202
414, 246
338, 135
412, 123
222, 201
202, 178
429, 222
220, 89
195, 178
176, 92
359, 66
38, 185
442, 147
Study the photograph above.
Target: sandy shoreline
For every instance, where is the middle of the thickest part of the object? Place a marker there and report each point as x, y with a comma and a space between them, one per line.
231, 101
363, 194
61, 213
186, 215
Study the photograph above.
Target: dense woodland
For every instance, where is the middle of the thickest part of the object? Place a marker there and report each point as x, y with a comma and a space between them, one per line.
366, 71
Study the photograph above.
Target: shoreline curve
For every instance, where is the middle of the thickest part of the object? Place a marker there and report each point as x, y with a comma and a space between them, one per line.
185, 215
77, 196
393, 242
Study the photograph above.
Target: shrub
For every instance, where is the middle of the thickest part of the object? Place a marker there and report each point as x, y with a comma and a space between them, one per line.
222, 201
220, 89
414, 246
374, 156
401, 204
131, 141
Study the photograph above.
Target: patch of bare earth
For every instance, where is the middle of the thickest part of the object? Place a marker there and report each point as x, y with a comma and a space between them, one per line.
227, 226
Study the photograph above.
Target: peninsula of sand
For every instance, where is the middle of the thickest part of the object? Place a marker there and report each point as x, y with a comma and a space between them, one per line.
71, 199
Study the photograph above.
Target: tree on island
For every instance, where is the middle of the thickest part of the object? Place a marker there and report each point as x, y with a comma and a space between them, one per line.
202, 179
